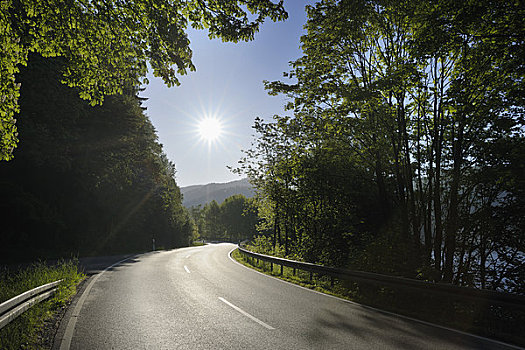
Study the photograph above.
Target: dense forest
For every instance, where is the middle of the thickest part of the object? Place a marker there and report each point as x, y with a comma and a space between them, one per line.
85, 180
403, 151
233, 220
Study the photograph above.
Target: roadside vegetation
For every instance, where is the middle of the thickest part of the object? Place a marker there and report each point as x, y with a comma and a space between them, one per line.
25, 332
401, 154
402, 151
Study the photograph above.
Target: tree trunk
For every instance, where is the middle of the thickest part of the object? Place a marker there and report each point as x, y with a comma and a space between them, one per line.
438, 144
275, 225
453, 210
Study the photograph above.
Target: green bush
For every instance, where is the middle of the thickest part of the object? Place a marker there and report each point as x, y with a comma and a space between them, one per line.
263, 245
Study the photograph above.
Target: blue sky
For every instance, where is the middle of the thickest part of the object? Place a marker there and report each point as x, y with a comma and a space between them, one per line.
227, 85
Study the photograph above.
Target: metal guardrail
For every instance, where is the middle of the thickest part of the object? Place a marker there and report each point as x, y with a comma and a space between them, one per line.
14, 307
493, 297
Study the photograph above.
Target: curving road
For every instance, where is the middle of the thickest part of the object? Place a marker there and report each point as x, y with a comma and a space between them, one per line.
199, 298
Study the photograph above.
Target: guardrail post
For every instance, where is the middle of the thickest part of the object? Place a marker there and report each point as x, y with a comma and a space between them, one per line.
311, 273
294, 271
332, 281
281, 270
271, 267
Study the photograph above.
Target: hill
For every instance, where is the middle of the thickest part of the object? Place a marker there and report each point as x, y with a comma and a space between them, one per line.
202, 194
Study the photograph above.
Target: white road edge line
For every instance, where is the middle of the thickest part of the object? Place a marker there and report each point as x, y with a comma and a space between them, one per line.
186, 268
70, 329
246, 314
379, 310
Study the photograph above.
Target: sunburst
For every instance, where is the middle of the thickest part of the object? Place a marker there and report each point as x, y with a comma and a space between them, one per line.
210, 129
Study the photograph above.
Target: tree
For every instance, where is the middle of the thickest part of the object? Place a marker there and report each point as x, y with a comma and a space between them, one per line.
212, 228
233, 220
86, 180
309, 186
239, 218
481, 99
413, 97
107, 44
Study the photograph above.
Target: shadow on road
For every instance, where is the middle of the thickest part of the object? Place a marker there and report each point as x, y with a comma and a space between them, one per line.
94, 265
389, 331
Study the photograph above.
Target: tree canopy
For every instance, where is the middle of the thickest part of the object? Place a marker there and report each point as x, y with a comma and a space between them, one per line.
107, 44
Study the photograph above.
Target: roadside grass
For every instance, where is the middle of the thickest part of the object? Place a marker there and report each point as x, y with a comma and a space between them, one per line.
472, 317
321, 284
197, 243
23, 332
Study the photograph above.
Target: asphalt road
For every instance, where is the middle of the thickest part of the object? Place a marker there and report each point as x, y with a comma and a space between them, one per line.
199, 298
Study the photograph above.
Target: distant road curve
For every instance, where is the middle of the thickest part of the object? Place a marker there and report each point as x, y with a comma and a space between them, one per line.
199, 298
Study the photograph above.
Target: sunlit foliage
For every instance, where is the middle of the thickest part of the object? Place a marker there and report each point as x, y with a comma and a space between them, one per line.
107, 44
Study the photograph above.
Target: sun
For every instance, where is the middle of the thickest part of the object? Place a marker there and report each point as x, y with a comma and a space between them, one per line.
210, 129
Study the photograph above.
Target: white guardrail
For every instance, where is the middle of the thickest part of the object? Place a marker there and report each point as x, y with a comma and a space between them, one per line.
14, 307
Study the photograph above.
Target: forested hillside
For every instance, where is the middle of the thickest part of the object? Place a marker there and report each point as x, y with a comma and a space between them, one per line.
202, 194
403, 152
85, 180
